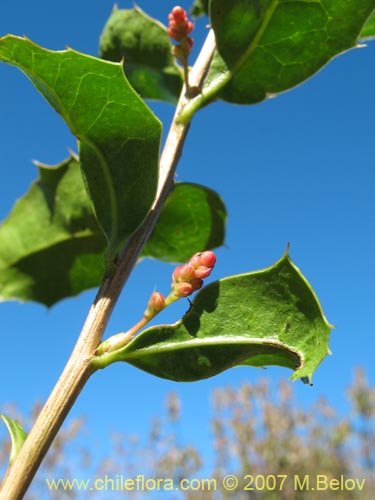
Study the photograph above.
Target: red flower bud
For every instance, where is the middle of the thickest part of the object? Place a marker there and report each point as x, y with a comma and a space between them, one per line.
203, 272
178, 14
204, 262
183, 289
187, 273
176, 274
183, 273
208, 259
155, 304
188, 278
195, 261
179, 27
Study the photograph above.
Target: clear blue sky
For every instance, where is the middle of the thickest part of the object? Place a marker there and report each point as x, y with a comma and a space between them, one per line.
298, 168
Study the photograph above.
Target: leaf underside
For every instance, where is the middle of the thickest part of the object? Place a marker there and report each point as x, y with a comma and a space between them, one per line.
119, 136
368, 31
52, 247
144, 46
193, 219
268, 317
269, 46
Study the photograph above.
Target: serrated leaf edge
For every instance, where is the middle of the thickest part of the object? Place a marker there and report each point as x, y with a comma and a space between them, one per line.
81, 138
123, 355
208, 92
80, 234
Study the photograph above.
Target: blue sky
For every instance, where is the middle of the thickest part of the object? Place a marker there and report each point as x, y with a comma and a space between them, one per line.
298, 168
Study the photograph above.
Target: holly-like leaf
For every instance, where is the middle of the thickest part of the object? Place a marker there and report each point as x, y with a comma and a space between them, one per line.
265, 47
17, 435
193, 219
51, 245
368, 31
144, 45
268, 317
119, 135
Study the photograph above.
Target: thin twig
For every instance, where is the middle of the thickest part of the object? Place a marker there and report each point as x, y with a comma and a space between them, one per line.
78, 369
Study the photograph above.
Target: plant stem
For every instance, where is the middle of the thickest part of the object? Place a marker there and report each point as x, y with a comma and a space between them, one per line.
186, 78
78, 369
220, 81
119, 340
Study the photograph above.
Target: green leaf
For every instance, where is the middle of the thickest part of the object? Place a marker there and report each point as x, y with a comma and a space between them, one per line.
17, 434
51, 245
145, 46
265, 47
268, 317
54, 224
193, 219
199, 8
368, 31
119, 136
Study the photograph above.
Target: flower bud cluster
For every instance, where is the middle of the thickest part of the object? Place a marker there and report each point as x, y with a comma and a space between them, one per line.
179, 27
188, 278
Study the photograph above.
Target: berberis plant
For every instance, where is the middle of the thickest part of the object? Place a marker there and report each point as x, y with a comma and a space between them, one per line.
87, 221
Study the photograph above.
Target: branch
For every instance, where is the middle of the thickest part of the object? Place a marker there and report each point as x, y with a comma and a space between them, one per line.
78, 369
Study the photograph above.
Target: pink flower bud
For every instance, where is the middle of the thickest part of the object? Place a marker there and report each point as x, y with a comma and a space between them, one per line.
195, 261
208, 259
183, 273
187, 273
203, 272
188, 278
204, 262
172, 32
178, 14
179, 27
176, 274
155, 304
157, 300
183, 289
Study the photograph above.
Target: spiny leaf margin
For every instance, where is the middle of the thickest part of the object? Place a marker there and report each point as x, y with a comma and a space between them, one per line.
144, 47
119, 136
54, 222
270, 46
267, 317
51, 245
